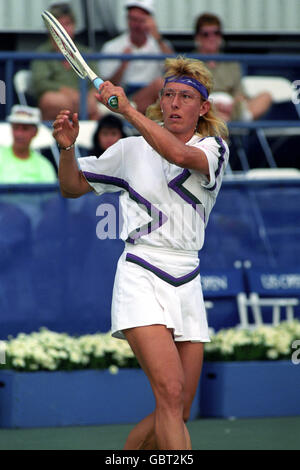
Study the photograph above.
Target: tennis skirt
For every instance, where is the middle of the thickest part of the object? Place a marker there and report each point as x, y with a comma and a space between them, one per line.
155, 286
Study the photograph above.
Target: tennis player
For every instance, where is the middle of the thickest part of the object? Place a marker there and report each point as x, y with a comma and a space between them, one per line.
169, 177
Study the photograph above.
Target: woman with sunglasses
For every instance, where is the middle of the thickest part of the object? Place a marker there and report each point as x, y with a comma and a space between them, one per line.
170, 177
229, 97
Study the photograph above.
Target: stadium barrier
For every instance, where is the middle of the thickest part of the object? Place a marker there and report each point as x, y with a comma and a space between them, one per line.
58, 256
76, 398
249, 389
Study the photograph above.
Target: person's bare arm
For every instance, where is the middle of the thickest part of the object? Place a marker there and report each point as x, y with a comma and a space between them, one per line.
153, 30
160, 139
72, 182
117, 76
166, 144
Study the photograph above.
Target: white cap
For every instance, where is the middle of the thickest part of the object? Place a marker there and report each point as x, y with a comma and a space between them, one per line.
146, 5
221, 97
24, 115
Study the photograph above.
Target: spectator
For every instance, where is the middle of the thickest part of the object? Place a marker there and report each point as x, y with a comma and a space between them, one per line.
141, 79
229, 97
55, 85
109, 131
18, 162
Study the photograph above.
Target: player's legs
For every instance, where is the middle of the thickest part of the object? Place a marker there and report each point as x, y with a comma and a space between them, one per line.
191, 356
143, 436
158, 356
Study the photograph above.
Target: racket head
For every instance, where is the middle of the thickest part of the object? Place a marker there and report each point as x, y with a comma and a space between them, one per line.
65, 44
72, 54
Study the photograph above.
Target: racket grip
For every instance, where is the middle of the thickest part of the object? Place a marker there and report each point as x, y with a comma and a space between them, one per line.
113, 100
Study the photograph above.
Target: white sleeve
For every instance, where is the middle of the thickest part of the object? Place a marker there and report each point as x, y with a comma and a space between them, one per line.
106, 173
217, 153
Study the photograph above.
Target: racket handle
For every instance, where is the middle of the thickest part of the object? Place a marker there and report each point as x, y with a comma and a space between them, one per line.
113, 100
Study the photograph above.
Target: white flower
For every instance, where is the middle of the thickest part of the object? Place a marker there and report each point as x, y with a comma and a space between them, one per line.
113, 369
272, 354
17, 362
49, 350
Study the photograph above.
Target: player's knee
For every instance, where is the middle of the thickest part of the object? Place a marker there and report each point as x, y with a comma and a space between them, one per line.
170, 394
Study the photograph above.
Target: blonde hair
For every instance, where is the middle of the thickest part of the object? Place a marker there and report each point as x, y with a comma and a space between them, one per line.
209, 124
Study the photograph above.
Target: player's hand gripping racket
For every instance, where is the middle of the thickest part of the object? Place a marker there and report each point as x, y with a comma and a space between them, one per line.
72, 54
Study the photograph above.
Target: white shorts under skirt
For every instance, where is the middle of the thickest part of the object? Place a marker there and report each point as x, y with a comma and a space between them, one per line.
158, 286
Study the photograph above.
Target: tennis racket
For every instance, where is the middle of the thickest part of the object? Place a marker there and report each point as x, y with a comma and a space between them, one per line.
72, 54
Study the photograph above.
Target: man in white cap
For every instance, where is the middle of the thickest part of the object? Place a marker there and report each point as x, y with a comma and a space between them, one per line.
18, 162
140, 78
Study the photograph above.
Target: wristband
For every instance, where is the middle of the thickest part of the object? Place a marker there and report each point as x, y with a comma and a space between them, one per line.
66, 148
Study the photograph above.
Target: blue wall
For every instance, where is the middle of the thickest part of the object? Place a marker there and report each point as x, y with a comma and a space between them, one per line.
55, 272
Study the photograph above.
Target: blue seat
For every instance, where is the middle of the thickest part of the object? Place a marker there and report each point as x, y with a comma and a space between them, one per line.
17, 299
221, 288
274, 296
232, 232
280, 217
92, 265
74, 270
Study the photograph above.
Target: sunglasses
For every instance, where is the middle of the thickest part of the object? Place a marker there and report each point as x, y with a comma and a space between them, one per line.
206, 34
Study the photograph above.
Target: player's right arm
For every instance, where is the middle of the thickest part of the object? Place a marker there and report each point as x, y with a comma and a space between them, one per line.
72, 182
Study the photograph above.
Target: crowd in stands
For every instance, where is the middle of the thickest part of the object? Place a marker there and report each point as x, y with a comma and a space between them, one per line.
55, 86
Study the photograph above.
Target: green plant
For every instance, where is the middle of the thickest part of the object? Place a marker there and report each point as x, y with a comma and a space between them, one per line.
51, 351
261, 343
48, 350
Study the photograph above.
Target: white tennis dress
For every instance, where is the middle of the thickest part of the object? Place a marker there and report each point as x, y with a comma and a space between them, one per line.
165, 210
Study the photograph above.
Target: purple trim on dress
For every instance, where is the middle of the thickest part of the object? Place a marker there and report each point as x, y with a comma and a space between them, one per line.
177, 185
175, 281
159, 218
220, 162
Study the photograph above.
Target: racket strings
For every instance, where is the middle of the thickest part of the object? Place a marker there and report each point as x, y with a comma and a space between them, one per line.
66, 51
